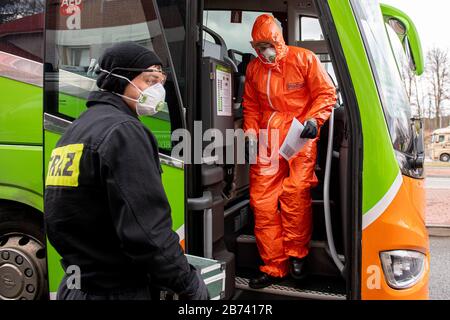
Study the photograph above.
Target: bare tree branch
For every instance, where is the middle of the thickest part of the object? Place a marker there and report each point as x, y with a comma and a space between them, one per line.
439, 78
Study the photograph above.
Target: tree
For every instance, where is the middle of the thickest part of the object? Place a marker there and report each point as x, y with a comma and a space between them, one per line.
419, 97
439, 78
408, 76
413, 87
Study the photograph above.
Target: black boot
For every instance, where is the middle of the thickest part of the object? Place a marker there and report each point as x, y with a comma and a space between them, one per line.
262, 281
297, 266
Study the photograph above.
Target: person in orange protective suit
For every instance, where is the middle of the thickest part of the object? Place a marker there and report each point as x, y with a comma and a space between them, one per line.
282, 83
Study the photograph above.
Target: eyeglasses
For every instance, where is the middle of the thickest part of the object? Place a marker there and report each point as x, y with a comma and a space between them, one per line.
155, 75
260, 45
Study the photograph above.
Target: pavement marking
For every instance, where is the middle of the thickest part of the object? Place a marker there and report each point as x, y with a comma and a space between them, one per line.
437, 183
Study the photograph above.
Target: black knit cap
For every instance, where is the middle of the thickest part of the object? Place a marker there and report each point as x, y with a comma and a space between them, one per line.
123, 55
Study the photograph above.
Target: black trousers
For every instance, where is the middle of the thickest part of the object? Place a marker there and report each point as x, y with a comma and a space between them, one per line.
64, 293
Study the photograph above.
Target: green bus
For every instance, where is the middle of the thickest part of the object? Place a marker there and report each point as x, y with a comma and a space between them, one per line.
369, 239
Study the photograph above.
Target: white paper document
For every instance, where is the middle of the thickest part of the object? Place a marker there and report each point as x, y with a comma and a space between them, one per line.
293, 143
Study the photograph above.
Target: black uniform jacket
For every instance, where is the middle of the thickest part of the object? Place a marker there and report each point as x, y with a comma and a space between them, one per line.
105, 207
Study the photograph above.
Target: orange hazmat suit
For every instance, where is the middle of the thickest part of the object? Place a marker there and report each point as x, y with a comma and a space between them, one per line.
294, 85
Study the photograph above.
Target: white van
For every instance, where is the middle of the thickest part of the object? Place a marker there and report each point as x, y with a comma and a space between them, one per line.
440, 145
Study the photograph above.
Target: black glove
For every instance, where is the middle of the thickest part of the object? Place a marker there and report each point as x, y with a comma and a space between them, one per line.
310, 130
197, 289
251, 150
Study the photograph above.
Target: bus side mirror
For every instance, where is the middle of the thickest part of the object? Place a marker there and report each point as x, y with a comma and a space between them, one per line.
419, 161
419, 150
408, 35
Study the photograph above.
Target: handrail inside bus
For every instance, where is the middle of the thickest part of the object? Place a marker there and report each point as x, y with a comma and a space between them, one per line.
326, 196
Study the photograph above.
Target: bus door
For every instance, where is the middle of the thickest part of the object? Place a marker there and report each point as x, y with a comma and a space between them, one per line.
219, 216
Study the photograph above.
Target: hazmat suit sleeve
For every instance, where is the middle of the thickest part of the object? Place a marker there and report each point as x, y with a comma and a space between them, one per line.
322, 90
252, 113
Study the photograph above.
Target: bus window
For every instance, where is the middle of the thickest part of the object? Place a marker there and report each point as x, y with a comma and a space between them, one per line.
310, 29
438, 138
384, 67
311, 32
21, 52
399, 53
219, 21
173, 18
75, 40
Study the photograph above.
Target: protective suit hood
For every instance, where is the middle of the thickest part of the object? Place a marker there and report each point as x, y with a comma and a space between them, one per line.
265, 29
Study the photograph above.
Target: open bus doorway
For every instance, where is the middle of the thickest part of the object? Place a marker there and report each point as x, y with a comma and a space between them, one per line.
326, 277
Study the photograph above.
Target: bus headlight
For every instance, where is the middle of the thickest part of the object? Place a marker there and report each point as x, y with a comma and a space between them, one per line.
403, 268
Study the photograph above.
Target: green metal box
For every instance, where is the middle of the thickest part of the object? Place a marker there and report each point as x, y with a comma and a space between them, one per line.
212, 272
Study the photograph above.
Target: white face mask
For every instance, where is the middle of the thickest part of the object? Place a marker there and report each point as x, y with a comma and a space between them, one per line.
269, 54
150, 101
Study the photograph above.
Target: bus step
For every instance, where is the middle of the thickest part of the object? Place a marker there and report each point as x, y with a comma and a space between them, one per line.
319, 261
250, 239
247, 255
246, 238
288, 291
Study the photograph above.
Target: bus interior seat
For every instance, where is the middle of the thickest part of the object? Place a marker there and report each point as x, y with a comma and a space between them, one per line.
236, 178
246, 59
211, 49
239, 76
217, 49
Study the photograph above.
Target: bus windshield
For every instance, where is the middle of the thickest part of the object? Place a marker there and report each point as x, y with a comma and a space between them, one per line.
391, 90
400, 56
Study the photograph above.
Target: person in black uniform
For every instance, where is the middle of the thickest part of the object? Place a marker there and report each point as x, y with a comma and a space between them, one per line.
106, 211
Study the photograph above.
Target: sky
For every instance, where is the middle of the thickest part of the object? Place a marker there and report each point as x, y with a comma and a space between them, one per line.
431, 18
